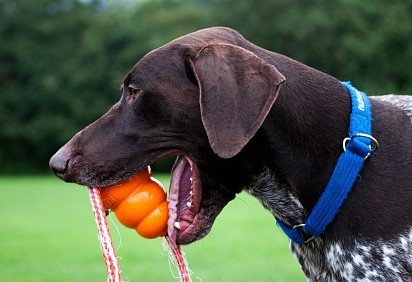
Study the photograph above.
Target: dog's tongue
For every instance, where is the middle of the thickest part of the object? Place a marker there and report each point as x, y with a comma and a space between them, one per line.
182, 206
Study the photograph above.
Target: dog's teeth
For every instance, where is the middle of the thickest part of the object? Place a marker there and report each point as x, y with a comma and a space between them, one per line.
191, 193
191, 179
189, 204
177, 225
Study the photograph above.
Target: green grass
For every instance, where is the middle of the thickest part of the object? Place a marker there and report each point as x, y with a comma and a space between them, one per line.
47, 233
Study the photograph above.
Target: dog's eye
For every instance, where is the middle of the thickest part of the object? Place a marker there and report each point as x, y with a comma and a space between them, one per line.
133, 92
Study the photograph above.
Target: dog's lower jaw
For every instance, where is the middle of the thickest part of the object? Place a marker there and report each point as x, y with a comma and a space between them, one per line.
210, 208
194, 202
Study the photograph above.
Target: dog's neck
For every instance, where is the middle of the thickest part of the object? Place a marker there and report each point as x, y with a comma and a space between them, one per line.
304, 133
304, 130
309, 121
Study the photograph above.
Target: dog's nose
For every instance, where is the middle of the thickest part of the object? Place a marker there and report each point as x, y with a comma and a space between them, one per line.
59, 162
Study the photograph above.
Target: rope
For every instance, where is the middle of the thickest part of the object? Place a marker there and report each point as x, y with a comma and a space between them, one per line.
109, 254
106, 244
179, 260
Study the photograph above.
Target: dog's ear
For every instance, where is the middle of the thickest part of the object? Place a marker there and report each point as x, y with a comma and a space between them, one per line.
237, 91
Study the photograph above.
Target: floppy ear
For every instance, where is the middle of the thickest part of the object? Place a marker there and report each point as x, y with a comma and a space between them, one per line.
237, 91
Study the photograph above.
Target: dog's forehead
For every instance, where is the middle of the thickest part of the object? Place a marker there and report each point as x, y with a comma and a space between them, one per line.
160, 68
170, 57
205, 36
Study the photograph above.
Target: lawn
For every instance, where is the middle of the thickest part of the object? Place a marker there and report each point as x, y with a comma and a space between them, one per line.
47, 233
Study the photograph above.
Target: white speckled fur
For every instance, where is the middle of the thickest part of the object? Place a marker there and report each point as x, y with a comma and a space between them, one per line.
278, 198
369, 261
403, 102
364, 260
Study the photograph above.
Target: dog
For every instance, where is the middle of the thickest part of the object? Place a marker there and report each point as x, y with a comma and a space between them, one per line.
239, 117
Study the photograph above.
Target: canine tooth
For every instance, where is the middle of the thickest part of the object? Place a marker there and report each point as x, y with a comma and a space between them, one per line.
191, 193
177, 225
191, 179
189, 204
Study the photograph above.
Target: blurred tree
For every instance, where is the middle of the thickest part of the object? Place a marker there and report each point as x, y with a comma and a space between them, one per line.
363, 41
62, 61
38, 106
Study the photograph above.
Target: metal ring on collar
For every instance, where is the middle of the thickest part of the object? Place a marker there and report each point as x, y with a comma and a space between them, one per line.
370, 137
298, 226
301, 226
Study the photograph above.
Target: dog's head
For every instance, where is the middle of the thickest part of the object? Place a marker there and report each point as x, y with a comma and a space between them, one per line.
201, 97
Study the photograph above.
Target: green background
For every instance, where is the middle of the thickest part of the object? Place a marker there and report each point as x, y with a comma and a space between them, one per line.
48, 233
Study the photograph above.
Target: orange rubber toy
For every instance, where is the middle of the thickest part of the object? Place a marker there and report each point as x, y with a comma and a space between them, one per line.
139, 203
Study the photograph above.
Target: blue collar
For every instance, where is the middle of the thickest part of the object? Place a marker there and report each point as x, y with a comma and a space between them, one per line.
356, 149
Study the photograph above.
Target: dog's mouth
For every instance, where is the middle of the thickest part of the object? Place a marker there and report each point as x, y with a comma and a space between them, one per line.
185, 197
192, 211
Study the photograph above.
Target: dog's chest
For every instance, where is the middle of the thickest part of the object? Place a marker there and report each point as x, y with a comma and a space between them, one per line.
361, 260
372, 261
